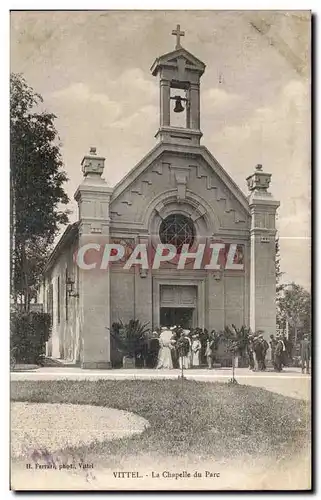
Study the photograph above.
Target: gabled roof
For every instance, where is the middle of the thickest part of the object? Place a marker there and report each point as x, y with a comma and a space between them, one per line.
170, 59
193, 151
67, 237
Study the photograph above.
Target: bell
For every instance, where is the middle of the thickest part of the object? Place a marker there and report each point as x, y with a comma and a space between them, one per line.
178, 104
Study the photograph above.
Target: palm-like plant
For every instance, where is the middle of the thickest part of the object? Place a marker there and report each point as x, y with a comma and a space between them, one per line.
130, 337
237, 342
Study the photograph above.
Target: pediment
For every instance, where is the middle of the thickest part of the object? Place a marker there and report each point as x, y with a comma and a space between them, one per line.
173, 58
181, 174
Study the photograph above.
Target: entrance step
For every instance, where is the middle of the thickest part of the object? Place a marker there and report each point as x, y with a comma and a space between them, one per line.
53, 362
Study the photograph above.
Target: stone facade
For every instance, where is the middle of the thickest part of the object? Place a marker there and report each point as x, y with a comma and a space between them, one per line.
179, 176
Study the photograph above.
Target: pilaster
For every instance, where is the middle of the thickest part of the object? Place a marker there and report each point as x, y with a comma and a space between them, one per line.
164, 103
195, 106
93, 197
262, 271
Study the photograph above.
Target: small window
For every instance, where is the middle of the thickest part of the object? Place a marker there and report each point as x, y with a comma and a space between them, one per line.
50, 301
66, 295
58, 300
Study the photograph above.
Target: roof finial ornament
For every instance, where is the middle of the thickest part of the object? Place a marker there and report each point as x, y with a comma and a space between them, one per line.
92, 164
178, 33
259, 181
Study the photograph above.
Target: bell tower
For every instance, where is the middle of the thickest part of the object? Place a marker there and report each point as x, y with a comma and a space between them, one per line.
179, 75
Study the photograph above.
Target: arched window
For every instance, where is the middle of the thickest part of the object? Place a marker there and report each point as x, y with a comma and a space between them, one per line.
177, 230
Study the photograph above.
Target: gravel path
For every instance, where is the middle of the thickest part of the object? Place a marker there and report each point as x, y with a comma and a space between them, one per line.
52, 427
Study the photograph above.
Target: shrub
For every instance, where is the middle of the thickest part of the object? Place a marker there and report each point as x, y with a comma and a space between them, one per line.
29, 333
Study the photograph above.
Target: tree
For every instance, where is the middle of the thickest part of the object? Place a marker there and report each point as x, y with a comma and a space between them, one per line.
278, 272
279, 286
294, 307
293, 303
36, 188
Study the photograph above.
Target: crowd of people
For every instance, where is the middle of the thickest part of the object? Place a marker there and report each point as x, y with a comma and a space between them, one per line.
184, 348
281, 352
179, 348
258, 348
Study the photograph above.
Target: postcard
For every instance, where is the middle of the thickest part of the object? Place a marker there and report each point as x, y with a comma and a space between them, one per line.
160, 317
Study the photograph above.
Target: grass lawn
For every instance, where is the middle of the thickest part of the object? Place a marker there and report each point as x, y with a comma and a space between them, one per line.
205, 419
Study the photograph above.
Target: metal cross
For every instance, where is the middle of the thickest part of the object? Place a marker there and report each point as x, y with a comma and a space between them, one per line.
178, 33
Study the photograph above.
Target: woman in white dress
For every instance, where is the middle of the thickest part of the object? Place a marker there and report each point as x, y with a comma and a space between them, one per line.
196, 348
165, 344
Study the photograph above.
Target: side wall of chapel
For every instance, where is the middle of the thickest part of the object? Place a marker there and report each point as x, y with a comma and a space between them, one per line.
64, 342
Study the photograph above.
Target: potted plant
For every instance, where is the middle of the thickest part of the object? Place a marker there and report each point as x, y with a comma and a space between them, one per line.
130, 339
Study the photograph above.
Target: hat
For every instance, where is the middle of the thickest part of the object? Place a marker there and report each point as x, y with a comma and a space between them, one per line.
172, 327
186, 332
164, 328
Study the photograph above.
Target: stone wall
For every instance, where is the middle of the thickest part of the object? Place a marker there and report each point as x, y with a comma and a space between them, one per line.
122, 293
64, 342
220, 302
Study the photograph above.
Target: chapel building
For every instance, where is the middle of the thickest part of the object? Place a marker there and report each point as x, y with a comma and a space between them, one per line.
177, 194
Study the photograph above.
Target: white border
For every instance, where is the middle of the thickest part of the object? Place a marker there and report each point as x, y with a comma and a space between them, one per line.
4, 198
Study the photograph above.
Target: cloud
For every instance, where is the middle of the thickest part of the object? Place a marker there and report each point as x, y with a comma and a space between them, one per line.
80, 93
126, 98
134, 80
141, 119
277, 135
219, 98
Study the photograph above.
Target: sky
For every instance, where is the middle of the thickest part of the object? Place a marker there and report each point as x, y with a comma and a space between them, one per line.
93, 70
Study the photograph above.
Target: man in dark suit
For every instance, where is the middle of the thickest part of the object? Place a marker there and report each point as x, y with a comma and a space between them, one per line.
305, 354
250, 352
264, 347
279, 353
273, 343
259, 352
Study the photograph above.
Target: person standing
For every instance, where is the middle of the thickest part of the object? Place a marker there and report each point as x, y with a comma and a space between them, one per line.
183, 348
258, 351
250, 352
289, 350
196, 347
204, 336
254, 340
273, 343
166, 344
279, 353
305, 353
209, 351
285, 352
264, 348
176, 333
